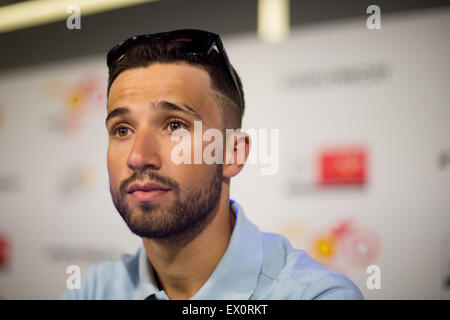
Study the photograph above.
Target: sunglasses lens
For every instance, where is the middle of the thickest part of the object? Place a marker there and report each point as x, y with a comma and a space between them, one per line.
197, 42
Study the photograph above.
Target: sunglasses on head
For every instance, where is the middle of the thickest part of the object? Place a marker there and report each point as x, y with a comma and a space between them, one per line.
197, 43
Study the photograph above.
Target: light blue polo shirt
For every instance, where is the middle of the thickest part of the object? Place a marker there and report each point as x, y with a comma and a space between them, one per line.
256, 265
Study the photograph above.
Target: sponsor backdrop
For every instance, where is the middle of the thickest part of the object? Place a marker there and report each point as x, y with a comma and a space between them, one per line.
363, 173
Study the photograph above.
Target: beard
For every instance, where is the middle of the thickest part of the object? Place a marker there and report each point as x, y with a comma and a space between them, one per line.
191, 211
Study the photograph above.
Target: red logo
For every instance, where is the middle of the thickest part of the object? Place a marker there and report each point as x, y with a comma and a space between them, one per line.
346, 166
4, 251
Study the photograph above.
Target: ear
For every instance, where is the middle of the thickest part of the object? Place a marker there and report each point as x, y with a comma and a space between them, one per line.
236, 153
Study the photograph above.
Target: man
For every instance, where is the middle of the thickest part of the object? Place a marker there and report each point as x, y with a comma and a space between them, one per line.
197, 243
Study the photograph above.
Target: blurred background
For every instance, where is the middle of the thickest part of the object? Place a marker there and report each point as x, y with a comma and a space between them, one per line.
359, 94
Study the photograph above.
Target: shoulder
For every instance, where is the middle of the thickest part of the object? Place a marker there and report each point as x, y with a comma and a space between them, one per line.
108, 280
290, 273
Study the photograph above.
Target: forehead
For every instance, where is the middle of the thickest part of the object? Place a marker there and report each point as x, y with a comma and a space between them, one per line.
176, 82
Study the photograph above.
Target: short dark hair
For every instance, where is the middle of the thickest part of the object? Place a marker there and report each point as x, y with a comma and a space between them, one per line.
158, 51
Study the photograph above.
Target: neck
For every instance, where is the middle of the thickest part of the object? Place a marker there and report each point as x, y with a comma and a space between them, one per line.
182, 268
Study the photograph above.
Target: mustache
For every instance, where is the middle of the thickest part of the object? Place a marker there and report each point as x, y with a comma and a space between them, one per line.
141, 176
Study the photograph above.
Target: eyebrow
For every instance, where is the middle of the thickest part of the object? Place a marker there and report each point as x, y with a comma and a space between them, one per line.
166, 105
163, 104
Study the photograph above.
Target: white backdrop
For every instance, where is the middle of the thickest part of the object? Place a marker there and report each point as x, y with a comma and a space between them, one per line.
335, 86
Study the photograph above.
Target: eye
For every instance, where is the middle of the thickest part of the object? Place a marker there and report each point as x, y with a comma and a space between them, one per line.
175, 125
120, 131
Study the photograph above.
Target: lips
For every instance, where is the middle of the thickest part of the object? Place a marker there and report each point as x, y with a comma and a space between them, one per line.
146, 187
147, 192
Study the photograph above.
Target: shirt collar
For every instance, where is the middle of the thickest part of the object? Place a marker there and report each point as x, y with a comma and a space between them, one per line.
147, 282
236, 275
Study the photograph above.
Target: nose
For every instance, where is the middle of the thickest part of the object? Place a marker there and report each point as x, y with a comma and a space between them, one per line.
145, 152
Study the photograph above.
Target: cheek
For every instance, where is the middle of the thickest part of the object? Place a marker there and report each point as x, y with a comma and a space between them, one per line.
188, 174
113, 162
109, 161
193, 176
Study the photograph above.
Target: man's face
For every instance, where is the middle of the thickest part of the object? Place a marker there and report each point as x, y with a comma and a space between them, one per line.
158, 100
